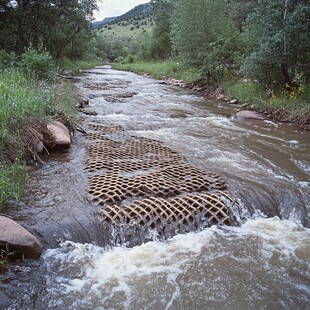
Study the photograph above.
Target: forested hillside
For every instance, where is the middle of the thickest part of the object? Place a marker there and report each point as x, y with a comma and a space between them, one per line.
106, 21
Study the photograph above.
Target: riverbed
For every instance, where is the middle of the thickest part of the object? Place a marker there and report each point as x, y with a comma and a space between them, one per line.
263, 263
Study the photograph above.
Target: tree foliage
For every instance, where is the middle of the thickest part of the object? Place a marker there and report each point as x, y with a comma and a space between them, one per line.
161, 44
278, 37
205, 36
265, 40
52, 24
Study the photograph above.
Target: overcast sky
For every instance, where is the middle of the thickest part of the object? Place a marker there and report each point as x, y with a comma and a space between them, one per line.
111, 8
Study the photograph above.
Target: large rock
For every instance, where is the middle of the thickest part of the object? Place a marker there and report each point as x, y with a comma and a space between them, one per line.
220, 97
234, 101
59, 134
18, 239
250, 115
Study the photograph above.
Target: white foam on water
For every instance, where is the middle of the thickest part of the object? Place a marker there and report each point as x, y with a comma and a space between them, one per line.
304, 184
116, 117
155, 272
271, 123
293, 142
220, 122
303, 165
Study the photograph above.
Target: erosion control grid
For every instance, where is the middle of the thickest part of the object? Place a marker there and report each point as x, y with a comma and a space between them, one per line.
140, 182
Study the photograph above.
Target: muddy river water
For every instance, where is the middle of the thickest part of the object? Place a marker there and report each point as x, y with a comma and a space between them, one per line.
262, 264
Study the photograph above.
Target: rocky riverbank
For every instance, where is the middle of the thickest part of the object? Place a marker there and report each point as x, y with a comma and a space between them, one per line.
280, 114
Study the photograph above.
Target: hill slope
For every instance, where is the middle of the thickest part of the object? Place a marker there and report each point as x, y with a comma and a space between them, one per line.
139, 12
133, 25
103, 22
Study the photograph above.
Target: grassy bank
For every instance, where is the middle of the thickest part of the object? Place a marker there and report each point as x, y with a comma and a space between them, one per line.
291, 106
75, 66
282, 105
12, 180
160, 70
26, 104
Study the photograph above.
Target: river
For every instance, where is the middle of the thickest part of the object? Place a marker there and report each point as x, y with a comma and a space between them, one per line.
261, 264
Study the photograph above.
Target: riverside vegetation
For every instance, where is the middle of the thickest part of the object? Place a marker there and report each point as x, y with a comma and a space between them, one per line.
29, 98
256, 51
36, 45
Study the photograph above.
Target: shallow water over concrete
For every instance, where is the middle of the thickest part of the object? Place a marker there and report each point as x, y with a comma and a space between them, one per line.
262, 264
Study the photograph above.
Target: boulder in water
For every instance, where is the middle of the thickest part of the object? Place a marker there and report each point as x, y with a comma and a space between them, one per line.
59, 134
250, 115
18, 239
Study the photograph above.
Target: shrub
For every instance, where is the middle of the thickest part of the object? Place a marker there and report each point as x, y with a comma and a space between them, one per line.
7, 59
119, 59
40, 63
130, 59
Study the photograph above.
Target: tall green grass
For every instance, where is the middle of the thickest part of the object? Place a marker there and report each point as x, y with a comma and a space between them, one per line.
12, 181
246, 92
25, 101
21, 100
75, 66
161, 70
294, 100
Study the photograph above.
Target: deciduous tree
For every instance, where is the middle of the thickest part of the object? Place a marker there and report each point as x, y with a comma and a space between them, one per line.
52, 24
278, 37
205, 36
161, 40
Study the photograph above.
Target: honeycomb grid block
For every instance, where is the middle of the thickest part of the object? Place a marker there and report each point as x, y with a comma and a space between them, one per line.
168, 181
190, 211
166, 192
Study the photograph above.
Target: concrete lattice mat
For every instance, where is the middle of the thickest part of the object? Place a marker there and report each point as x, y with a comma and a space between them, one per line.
172, 216
136, 154
134, 168
118, 97
104, 85
97, 86
105, 132
106, 129
169, 181
129, 165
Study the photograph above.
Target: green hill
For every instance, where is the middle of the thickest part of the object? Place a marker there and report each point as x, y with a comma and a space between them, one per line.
127, 29
139, 12
103, 22
122, 35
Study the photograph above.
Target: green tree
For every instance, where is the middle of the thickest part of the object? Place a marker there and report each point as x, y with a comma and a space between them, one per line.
278, 37
240, 10
205, 37
47, 23
161, 46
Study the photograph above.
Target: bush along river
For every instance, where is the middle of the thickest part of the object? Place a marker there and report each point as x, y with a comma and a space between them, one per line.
166, 200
